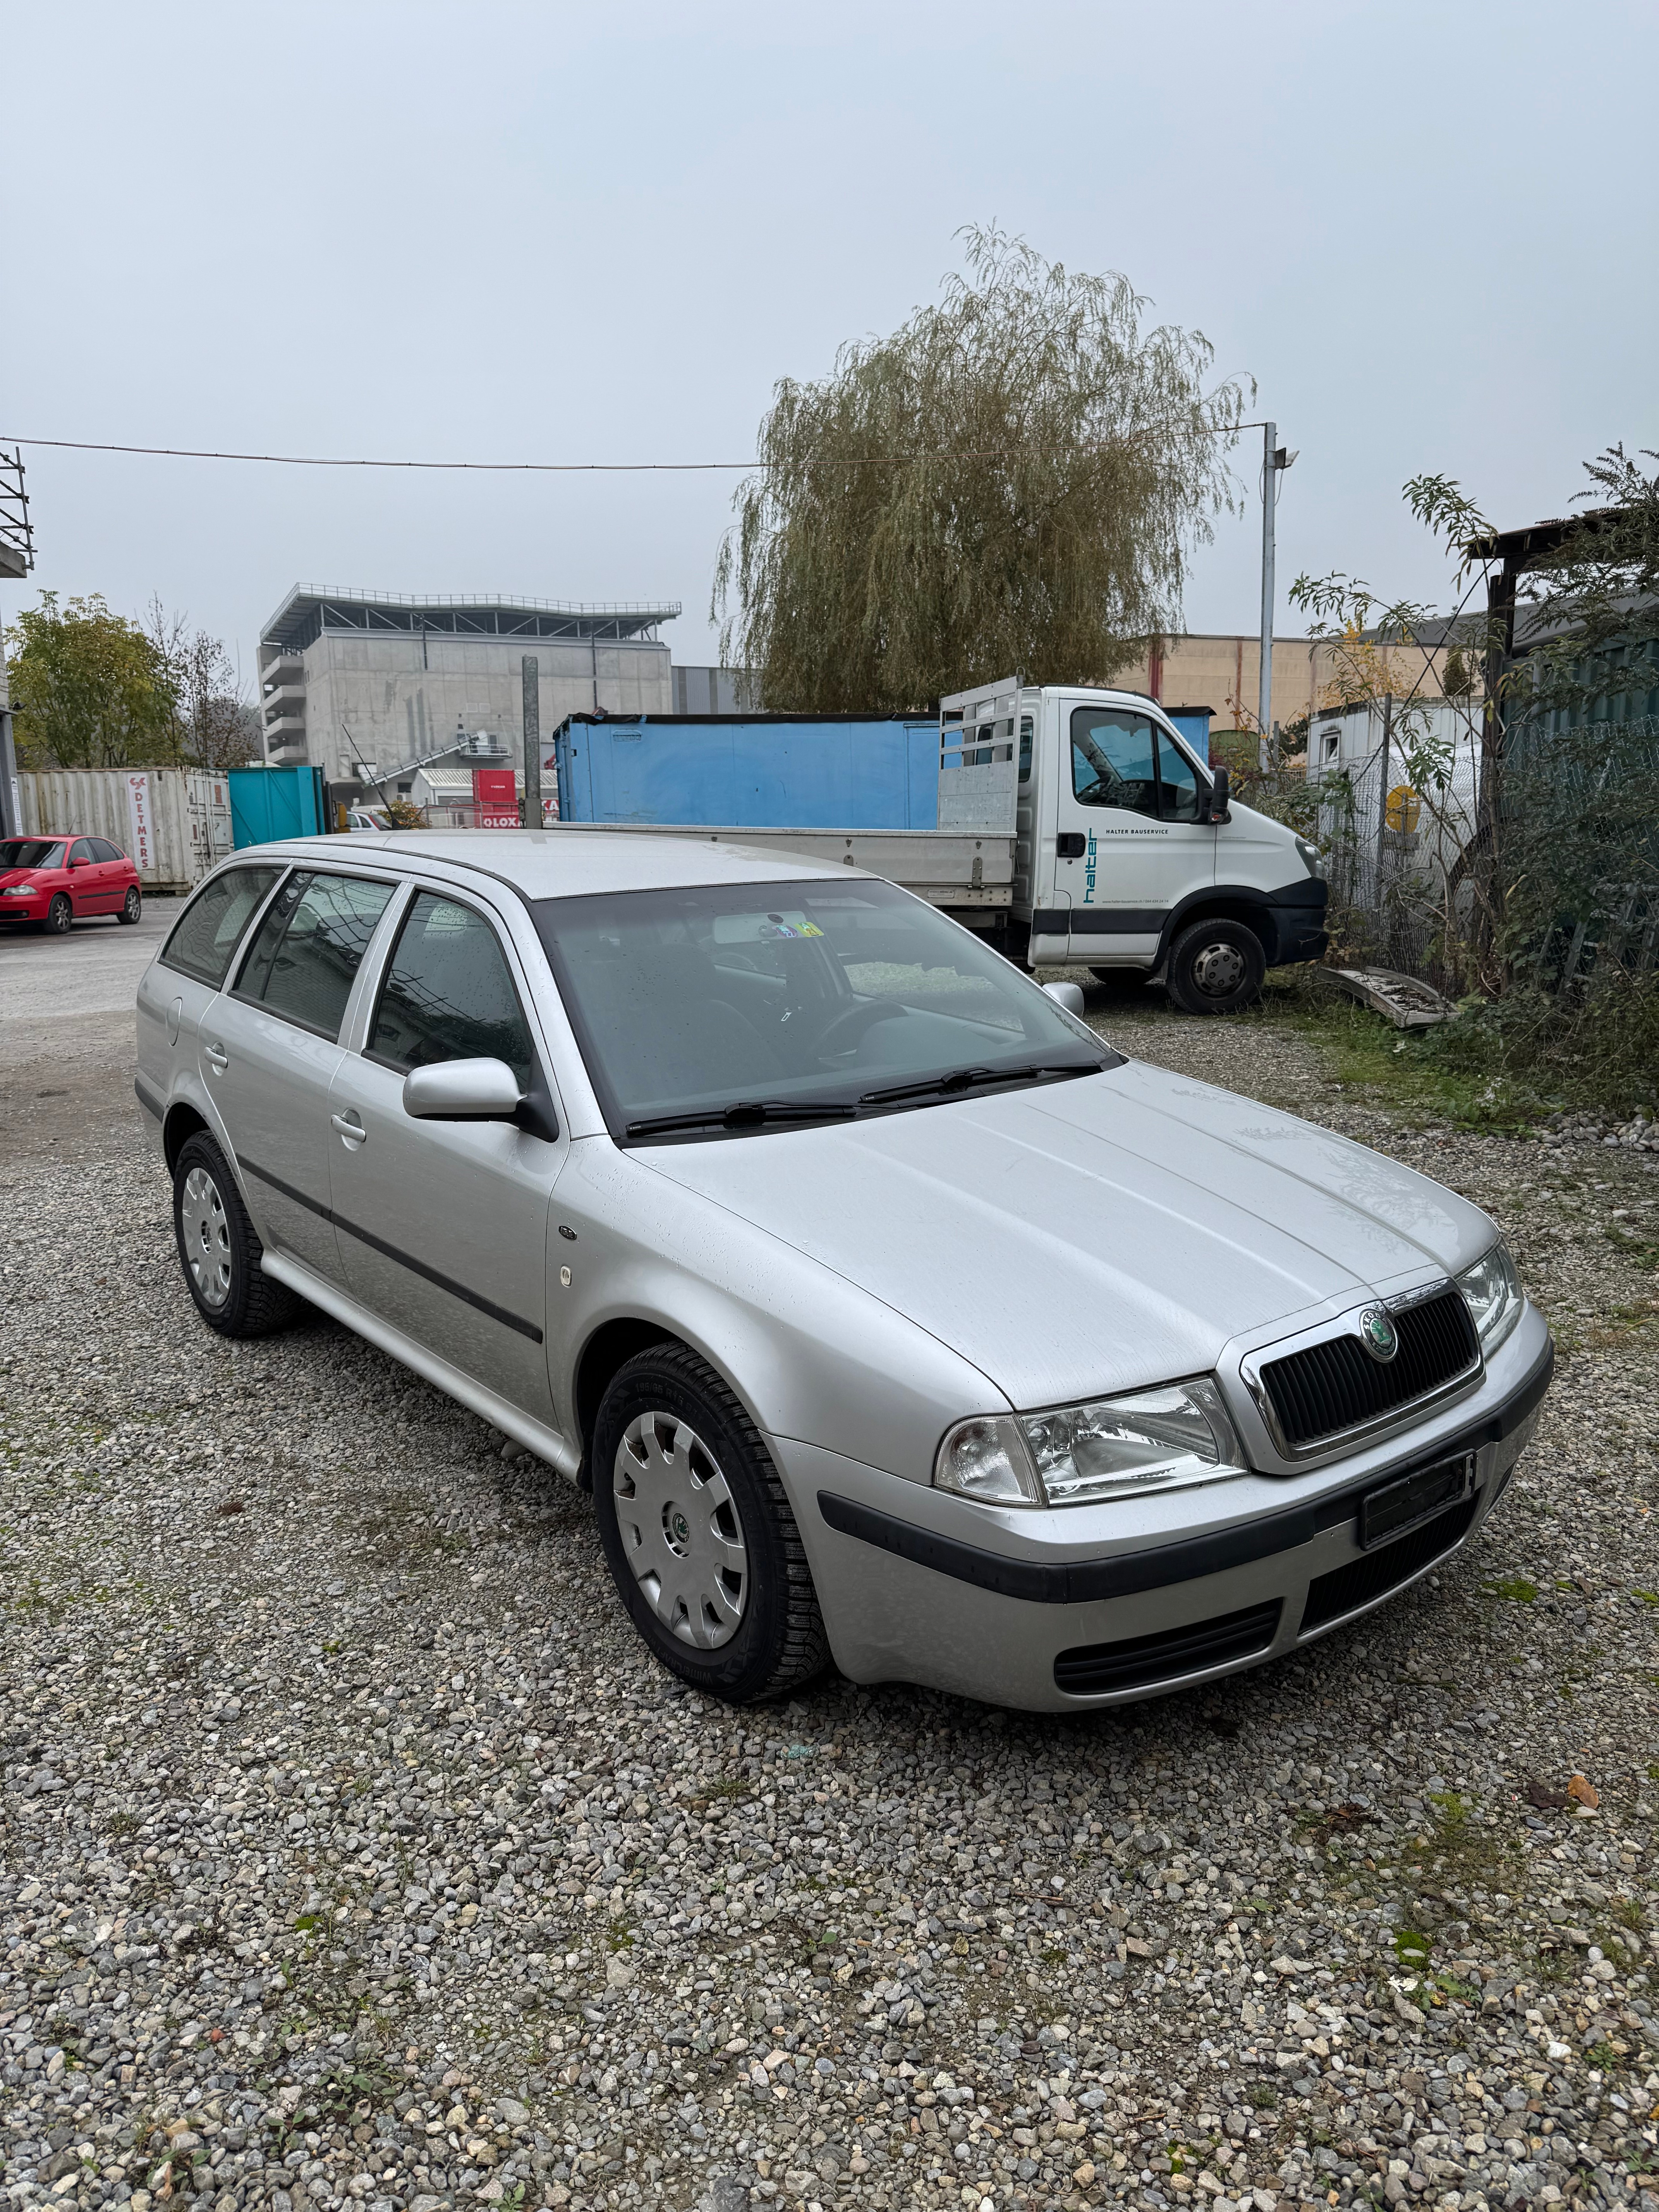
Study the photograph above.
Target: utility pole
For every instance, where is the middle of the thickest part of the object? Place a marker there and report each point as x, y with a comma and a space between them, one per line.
531, 669
1382, 795
1273, 459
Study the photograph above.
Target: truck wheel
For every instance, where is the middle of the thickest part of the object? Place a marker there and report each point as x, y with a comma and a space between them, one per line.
1216, 967
698, 1533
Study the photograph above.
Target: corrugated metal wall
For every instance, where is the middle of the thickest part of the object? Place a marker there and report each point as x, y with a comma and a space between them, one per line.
173, 823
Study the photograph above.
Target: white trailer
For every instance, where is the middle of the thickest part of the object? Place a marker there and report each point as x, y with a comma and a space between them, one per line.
173, 823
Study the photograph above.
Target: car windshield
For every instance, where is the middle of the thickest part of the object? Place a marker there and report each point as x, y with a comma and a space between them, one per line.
734, 1006
30, 852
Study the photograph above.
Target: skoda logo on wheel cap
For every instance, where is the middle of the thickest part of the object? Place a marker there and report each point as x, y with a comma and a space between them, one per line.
1378, 1334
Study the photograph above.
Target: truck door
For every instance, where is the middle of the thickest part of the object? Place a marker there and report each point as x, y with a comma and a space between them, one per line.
1130, 844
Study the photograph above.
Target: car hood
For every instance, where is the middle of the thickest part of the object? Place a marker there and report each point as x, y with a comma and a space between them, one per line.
1094, 1234
26, 875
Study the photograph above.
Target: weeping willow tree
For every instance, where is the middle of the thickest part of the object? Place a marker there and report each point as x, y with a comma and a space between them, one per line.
1011, 484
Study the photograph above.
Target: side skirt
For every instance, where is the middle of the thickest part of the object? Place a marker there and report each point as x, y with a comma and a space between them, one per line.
509, 1419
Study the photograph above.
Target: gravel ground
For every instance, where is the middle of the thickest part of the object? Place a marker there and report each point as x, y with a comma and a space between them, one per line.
351, 1848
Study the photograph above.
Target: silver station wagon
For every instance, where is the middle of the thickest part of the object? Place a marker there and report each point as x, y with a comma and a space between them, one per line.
890, 1316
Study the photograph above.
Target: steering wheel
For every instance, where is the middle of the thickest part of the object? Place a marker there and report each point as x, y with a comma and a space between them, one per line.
847, 1027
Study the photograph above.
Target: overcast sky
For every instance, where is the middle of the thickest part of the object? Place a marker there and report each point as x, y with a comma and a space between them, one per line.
540, 231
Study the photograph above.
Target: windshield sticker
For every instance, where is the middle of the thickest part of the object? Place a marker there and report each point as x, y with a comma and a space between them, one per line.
758, 928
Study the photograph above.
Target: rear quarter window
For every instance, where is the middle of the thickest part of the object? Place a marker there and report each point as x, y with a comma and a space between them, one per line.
207, 933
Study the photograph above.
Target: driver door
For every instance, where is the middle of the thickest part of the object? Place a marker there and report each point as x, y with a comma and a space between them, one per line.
1131, 798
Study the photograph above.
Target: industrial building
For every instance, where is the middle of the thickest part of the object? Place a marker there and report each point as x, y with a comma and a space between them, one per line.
372, 686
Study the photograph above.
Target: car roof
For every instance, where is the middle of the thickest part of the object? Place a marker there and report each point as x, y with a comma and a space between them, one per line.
565, 863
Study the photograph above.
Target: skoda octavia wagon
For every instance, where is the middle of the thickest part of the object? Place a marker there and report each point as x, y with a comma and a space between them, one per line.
890, 1316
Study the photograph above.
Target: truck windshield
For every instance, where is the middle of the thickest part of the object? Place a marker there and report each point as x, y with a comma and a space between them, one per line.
740, 1007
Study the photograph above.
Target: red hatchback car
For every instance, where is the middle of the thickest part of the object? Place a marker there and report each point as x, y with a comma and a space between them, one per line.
53, 881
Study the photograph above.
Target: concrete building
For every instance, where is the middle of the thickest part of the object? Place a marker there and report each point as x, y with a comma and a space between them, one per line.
349, 679
1224, 674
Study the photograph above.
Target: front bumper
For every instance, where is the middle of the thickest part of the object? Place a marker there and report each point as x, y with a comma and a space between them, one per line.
1295, 922
1046, 1612
28, 910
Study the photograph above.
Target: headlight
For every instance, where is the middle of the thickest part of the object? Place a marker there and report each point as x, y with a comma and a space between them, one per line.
1109, 1448
1309, 855
18, 890
1495, 1297
988, 1460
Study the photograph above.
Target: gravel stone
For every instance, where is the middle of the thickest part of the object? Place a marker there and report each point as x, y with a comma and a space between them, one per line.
353, 1852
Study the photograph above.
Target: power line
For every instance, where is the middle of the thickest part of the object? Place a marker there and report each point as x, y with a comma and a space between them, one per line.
552, 468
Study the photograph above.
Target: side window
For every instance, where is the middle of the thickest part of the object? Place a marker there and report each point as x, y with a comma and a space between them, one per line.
103, 850
80, 850
1178, 783
1027, 730
449, 994
1112, 759
209, 929
307, 950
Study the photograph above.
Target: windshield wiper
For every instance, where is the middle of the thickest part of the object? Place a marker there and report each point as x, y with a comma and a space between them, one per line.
971, 1079
745, 1114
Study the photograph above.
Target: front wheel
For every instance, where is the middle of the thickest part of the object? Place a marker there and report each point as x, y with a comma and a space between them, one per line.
59, 915
698, 1532
1216, 967
219, 1248
133, 905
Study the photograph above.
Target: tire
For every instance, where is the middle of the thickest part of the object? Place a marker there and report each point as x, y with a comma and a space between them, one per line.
219, 1248
1216, 967
59, 915
681, 1474
132, 906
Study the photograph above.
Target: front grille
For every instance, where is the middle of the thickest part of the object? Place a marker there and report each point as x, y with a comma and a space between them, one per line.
1094, 1669
1344, 1589
1336, 1385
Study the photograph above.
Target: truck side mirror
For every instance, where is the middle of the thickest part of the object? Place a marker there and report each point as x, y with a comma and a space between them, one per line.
1220, 795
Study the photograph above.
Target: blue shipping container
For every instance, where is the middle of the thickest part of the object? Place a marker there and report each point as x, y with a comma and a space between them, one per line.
267, 803
779, 771
1193, 724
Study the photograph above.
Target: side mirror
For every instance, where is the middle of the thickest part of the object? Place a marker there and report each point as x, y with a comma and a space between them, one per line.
1068, 995
463, 1091
1220, 795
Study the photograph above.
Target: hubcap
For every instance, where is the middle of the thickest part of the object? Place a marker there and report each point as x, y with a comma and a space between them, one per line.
680, 1530
1218, 970
206, 1234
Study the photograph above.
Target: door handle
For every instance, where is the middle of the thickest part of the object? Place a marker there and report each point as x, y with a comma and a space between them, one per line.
216, 1057
1069, 844
349, 1128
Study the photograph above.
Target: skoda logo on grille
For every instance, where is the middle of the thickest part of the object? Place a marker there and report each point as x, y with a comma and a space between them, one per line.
1378, 1334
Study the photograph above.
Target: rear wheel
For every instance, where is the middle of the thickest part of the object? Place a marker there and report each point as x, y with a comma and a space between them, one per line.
219, 1248
1216, 967
59, 915
133, 905
698, 1532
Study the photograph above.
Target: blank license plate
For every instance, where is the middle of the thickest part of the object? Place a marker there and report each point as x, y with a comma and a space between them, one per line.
1400, 1506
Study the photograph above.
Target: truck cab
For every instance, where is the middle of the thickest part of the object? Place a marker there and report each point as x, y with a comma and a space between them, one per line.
1129, 853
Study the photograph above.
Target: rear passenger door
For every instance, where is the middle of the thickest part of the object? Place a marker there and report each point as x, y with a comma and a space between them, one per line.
270, 1048
114, 865
443, 1225
175, 992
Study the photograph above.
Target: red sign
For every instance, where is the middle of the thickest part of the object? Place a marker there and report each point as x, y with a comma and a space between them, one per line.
495, 798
